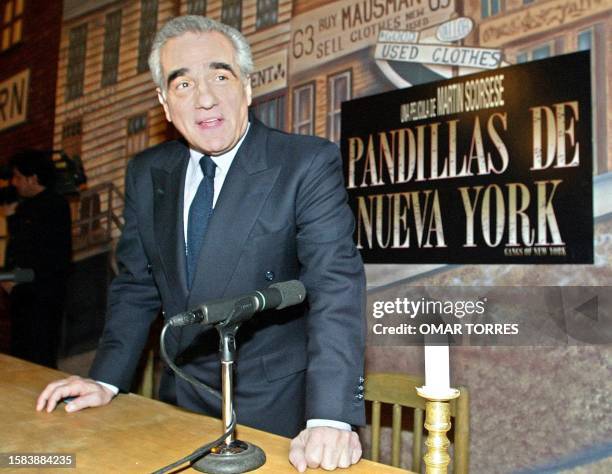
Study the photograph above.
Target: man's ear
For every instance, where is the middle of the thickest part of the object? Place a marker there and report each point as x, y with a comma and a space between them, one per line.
248, 91
164, 104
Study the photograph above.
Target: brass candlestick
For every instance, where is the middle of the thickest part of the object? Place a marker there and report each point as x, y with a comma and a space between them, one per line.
437, 422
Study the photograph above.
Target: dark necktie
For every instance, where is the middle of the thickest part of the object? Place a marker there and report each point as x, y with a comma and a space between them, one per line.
199, 213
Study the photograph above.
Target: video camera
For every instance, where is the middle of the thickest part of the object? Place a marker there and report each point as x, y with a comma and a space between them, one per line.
69, 175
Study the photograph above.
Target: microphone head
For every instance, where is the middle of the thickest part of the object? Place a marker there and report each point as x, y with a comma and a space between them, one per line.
292, 292
23, 275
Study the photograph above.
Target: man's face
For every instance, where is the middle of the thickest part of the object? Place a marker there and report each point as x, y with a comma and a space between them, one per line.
26, 185
206, 98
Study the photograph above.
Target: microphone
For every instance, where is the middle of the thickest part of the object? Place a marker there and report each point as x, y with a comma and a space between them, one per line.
18, 275
240, 308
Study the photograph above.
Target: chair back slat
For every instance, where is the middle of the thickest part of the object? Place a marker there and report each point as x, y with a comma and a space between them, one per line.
461, 461
375, 431
399, 390
396, 435
417, 439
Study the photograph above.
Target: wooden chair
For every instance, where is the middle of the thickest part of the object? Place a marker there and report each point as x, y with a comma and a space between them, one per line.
146, 376
400, 391
146, 384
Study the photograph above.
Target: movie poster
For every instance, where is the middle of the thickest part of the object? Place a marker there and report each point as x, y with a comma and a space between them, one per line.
494, 167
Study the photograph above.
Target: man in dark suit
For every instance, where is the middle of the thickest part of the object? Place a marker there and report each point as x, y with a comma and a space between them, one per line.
274, 209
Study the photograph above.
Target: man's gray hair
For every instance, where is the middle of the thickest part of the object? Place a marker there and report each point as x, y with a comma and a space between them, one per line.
198, 24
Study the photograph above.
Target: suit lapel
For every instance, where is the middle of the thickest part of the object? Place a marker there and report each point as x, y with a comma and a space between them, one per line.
168, 190
246, 187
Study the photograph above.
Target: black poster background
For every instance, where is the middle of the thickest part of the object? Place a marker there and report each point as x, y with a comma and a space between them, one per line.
540, 83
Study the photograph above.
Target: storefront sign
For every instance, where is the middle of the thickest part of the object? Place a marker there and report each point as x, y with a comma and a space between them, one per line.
346, 26
14, 99
270, 73
392, 36
454, 30
481, 58
537, 18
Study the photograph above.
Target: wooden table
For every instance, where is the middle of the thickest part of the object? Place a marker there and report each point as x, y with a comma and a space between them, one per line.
131, 434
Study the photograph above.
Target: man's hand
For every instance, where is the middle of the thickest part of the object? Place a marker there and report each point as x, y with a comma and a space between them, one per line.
324, 447
86, 393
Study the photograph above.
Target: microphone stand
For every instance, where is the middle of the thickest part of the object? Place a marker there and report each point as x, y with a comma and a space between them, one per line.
232, 456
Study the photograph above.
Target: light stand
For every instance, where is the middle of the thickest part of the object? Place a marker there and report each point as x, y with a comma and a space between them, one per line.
231, 456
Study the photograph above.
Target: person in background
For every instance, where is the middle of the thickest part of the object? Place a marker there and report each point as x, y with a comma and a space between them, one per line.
39, 232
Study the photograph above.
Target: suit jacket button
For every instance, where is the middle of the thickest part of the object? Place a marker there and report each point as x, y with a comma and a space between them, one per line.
149, 268
359, 396
269, 275
361, 380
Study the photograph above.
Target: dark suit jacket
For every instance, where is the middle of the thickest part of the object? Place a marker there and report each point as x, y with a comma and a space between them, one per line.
281, 215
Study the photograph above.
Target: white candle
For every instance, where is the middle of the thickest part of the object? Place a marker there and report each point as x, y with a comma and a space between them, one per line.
437, 374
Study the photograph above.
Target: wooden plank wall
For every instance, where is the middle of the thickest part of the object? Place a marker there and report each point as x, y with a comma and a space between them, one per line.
105, 112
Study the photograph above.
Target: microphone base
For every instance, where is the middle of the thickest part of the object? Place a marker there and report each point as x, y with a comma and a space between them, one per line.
238, 457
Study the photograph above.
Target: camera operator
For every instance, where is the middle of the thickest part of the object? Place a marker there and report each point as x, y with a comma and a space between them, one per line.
39, 238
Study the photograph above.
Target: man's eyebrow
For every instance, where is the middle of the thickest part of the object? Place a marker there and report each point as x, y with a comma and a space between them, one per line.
176, 73
221, 65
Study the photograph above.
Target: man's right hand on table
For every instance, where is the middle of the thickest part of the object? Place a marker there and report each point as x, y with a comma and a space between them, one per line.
85, 393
